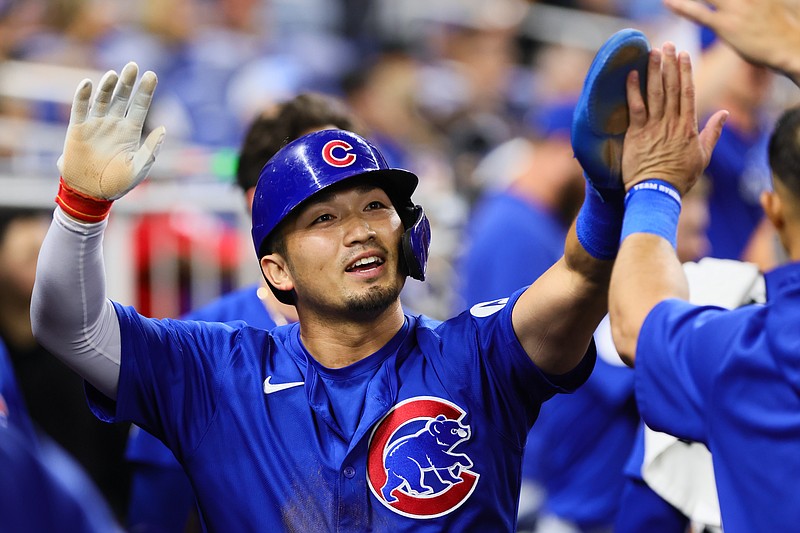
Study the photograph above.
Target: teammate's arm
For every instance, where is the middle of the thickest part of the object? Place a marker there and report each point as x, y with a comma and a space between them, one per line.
102, 161
662, 142
555, 318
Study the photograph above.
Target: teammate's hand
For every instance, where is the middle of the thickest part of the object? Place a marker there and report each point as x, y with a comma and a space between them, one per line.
763, 31
662, 141
102, 156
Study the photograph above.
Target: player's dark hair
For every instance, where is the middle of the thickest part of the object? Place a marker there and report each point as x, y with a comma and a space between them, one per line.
275, 243
269, 132
784, 150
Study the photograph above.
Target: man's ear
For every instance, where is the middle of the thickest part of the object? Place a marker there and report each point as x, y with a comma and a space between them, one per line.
276, 272
773, 208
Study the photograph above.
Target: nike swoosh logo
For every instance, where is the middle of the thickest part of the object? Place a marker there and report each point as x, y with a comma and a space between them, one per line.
482, 310
269, 388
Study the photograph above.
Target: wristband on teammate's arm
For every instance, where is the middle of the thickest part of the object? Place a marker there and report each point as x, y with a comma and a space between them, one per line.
652, 206
599, 221
80, 206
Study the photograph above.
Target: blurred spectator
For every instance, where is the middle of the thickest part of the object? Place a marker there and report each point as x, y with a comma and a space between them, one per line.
194, 96
538, 196
383, 94
67, 32
52, 392
738, 169
466, 84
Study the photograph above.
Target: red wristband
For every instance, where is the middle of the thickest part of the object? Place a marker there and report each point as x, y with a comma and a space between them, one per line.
81, 206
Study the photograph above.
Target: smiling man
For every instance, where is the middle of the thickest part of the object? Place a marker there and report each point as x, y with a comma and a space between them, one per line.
358, 417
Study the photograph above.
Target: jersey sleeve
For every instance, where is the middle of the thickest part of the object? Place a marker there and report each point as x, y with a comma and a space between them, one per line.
680, 352
168, 368
486, 361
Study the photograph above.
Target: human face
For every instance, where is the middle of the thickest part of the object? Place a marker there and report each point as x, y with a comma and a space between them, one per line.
692, 224
19, 251
341, 253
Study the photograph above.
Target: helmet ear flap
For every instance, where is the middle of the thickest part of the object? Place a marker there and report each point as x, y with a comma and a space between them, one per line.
415, 243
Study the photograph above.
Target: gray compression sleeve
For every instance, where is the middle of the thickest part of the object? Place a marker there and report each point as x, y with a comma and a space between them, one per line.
70, 314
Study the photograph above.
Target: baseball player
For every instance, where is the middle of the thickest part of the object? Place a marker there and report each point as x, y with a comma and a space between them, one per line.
722, 377
161, 495
357, 417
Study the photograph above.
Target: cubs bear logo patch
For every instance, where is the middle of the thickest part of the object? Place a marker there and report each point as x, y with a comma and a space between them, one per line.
414, 465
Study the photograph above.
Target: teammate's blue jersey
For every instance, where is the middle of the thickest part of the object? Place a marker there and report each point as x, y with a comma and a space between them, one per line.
242, 304
731, 380
582, 469
41, 487
441, 421
633, 466
12, 407
33, 497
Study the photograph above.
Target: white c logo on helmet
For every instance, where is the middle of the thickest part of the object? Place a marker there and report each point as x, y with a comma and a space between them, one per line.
334, 159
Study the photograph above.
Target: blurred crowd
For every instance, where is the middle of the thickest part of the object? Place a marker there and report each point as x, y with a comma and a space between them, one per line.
473, 96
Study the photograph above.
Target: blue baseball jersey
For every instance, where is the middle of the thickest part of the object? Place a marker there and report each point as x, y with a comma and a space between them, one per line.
161, 494
582, 469
633, 466
12, 408
34, 498
641, 508
41, 487
241, 304
426, 434
730, 379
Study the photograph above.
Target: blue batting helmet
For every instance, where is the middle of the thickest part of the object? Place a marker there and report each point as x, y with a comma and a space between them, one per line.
320, 159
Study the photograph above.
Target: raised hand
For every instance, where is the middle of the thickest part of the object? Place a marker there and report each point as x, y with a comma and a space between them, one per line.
103, 156
662, 140
766, 32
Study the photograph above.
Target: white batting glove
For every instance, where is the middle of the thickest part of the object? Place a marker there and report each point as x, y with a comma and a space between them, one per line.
103, 158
